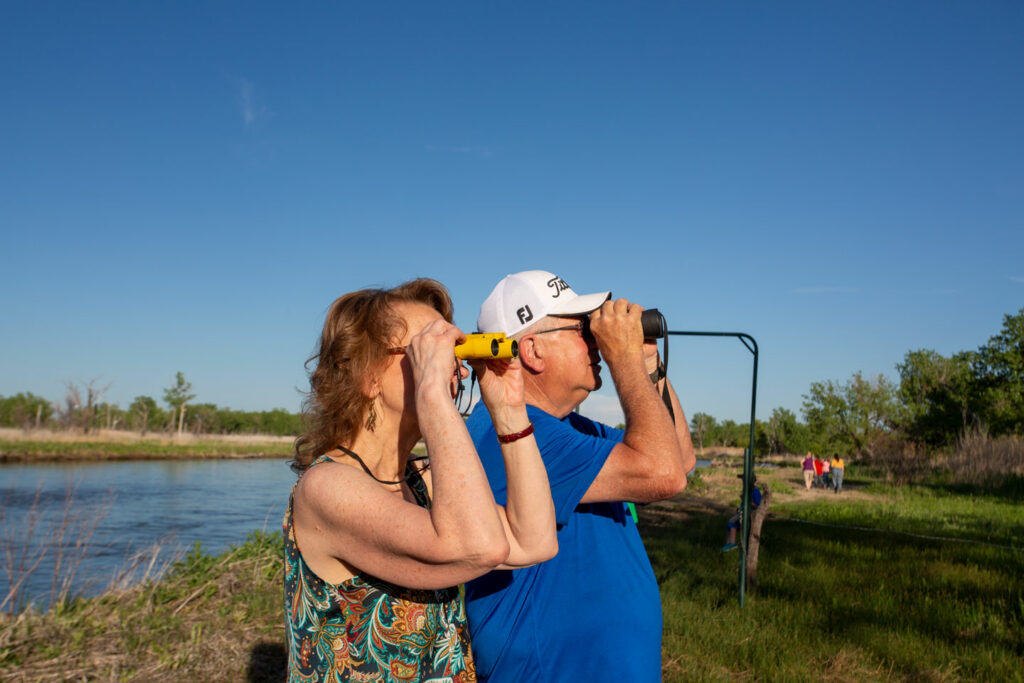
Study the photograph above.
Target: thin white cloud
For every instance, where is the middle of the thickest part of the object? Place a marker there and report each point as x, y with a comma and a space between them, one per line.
825, 290
1017, 278
252, 110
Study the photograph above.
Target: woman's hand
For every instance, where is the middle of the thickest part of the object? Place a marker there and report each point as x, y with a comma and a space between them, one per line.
431, 354
501, 388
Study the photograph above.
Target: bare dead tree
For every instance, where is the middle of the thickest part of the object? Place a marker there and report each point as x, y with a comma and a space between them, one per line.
79, 411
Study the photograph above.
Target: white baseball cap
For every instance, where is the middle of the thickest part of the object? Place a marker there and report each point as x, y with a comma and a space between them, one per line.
522, 299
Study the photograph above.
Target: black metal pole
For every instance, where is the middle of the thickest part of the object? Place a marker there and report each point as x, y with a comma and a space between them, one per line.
748, 453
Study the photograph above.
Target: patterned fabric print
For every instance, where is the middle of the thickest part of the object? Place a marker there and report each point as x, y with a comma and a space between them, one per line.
365, 629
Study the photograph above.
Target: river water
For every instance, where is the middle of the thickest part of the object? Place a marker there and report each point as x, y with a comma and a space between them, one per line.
130, 506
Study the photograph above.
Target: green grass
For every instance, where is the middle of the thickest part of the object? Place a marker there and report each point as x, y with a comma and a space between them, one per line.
834, 603
925, 510
844, 604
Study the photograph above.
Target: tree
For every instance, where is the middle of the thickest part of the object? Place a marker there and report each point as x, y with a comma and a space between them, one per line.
203, 418
142, 412
280, 422
939, 395
850, 416
999, 369
109, 415
177, 397
80, 399
25, 410
700, 424
780, 425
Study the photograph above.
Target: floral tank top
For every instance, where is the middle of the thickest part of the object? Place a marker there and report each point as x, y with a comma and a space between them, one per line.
365, 629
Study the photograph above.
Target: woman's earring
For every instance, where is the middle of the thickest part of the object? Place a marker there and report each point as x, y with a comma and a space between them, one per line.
371, 419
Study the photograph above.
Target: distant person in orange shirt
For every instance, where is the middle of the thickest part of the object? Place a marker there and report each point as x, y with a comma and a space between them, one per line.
817, 472
837, 473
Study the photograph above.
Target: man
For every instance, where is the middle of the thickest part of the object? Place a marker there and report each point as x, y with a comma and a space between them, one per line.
593, 613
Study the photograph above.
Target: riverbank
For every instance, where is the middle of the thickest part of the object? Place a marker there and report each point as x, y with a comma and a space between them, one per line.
19, 446
873, 584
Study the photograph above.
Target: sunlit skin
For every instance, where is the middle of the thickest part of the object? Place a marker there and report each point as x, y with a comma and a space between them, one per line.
347, 522
564, 366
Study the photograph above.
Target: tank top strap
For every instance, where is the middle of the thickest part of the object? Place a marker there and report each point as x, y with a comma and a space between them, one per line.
322, 458
416, 484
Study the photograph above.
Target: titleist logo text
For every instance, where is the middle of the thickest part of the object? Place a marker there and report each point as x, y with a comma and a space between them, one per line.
558, 284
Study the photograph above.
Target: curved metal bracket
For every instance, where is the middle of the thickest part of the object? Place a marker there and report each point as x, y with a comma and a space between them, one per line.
748, 455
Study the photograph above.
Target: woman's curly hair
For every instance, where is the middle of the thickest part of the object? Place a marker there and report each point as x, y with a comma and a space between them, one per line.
359, 329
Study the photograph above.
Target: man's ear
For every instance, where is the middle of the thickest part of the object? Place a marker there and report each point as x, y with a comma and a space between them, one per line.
531, 354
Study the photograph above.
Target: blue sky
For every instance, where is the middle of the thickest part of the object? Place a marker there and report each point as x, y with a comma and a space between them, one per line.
187, 186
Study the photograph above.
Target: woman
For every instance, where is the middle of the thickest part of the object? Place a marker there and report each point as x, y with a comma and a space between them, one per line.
376, 541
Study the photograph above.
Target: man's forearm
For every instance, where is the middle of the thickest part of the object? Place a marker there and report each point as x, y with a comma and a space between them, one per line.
682, 427
649, 428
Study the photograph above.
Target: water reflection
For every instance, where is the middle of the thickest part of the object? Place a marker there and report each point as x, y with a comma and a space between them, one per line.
132, 506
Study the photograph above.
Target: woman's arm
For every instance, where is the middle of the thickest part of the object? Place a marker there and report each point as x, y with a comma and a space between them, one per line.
341, 513
529, 513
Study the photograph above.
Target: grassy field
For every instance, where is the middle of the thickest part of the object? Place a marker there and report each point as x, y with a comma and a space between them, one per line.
874, 584
19, 446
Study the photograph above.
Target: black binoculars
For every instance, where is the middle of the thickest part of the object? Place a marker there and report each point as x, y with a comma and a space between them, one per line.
652, 321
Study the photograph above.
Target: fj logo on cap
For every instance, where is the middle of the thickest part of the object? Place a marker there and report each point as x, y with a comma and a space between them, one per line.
525, 315
558, 284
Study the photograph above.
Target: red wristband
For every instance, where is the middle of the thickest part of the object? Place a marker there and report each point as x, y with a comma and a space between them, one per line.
509, 438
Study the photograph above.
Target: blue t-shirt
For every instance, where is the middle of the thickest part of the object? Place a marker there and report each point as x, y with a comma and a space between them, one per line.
593, 612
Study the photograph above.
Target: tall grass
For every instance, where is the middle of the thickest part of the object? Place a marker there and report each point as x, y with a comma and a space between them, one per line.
982, 460
210, 618
27, 540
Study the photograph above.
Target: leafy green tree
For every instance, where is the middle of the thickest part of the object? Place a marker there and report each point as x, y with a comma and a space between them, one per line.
236, 421
204, 418
25, 410
280, 422
850, 417
700, 425
144, 412
940, 396
999, 369
785, 434
177, 396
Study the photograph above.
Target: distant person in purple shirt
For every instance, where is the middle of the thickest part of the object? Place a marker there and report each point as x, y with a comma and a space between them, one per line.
808, 465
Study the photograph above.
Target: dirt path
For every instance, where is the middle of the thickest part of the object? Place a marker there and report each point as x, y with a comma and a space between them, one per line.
718, 492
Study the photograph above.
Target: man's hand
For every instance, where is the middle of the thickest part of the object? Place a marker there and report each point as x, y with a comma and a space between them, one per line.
617, 329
